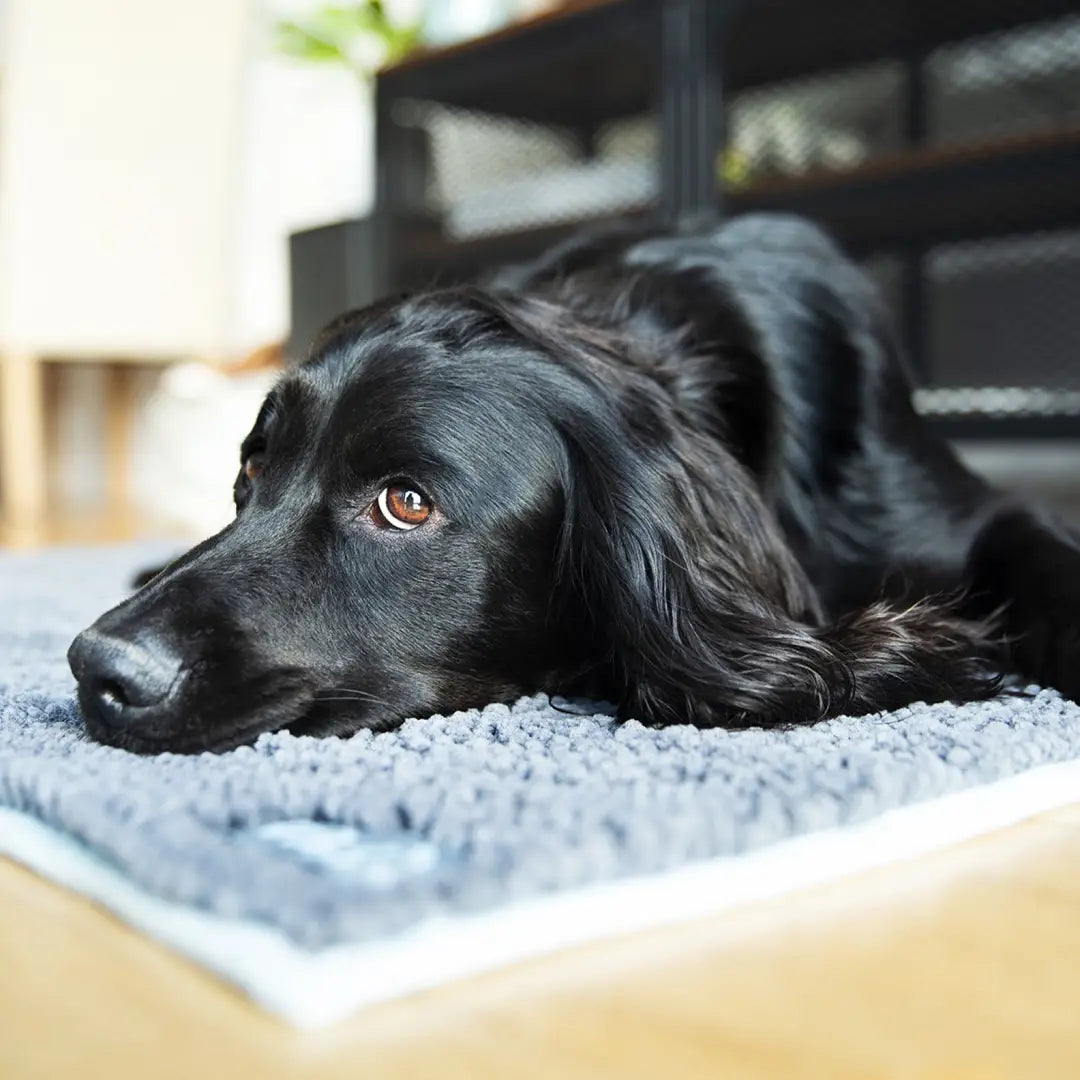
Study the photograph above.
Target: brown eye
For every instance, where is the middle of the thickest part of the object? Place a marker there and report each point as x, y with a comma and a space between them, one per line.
253, 466
400, 506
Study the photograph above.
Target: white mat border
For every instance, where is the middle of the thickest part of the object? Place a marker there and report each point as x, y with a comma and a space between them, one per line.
314, 989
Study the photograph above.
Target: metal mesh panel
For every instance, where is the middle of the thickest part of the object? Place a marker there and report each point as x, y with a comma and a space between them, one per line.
1000, 318
829, 122
1020, 82
1004, 325
495, 174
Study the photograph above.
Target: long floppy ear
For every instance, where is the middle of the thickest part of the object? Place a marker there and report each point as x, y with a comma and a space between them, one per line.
696, 609
703, 611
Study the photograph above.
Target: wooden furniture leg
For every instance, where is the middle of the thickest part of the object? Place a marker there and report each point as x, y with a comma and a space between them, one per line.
120, 404
52, 378
23, 478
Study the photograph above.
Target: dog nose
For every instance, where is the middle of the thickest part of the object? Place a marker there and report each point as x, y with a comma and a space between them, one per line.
116, 675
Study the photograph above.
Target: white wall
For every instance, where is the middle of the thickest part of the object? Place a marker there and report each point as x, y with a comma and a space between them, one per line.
118, 134
307, 158
154, 156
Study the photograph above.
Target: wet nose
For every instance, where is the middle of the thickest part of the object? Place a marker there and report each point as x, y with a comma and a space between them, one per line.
117, 676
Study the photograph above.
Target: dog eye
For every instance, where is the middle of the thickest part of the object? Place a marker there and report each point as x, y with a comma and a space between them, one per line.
253, 466
400, 506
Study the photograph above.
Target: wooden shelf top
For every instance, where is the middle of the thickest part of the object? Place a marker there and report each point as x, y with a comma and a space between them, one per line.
433, 54
931, 195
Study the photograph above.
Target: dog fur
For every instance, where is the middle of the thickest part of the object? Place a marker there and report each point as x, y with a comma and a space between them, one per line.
679, 472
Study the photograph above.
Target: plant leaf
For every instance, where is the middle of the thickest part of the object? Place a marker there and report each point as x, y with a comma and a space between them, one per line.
330, 33
292, 39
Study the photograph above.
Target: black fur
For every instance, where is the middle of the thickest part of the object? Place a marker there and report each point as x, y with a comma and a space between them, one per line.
679, 472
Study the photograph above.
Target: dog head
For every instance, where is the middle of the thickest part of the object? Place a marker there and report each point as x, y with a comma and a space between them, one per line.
399, 509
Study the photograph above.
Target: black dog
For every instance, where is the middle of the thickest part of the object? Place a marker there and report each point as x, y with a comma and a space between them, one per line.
681, 473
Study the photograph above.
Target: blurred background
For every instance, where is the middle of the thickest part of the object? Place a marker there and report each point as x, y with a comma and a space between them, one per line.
188, 191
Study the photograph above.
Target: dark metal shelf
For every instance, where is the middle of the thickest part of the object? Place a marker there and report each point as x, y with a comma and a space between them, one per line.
585, 67
921, 197
929, 196
574, 69
681, 61
775, 40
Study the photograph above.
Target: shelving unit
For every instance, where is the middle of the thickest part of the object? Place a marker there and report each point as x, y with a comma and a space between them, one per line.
930, 196
896, 168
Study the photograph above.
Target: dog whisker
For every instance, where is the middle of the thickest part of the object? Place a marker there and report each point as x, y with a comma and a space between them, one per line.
348, 693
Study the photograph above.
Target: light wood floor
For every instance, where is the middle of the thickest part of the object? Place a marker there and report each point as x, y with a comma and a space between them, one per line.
958, 966
90, 528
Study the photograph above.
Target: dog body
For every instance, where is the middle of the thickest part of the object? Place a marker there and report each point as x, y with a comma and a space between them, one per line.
678, 472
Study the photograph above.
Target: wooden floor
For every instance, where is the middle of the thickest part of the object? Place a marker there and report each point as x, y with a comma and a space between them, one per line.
962, 965
91, 528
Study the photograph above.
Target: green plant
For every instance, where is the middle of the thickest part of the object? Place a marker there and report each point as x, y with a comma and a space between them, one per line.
347, 34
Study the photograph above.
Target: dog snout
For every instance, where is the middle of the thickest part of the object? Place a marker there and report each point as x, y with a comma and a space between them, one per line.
120, 680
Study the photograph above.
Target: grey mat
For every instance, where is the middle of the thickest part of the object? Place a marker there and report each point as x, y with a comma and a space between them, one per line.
336, 840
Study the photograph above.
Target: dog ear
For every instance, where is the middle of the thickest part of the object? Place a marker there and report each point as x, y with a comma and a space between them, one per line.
705, 615
695, 607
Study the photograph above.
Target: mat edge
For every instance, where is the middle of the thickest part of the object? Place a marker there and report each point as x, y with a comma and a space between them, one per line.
311, 989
